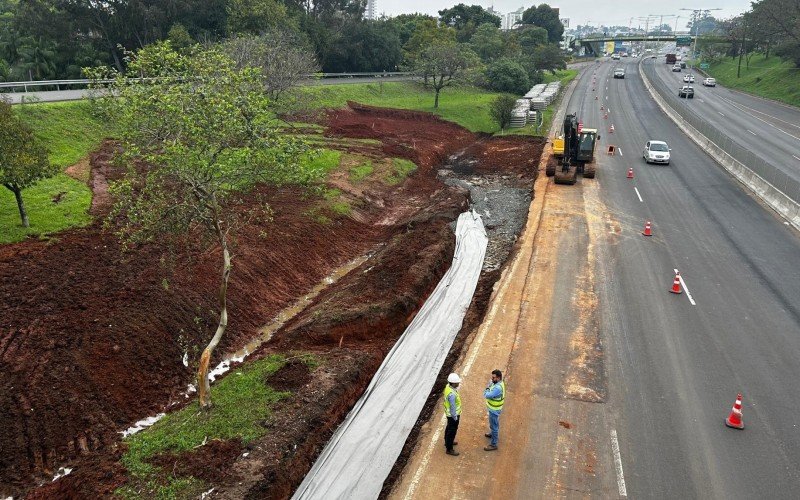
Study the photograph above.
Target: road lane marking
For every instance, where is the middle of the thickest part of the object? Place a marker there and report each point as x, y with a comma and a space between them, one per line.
762, 120
721, 113
796, 157
751, 131
702, 101
623, 492
737, 104
637, 194
620, 151
683, 284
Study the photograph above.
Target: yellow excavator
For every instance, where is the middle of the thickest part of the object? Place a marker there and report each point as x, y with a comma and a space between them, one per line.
573, 152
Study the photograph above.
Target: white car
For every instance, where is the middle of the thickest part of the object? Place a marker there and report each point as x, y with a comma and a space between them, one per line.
656, 152
688, 78
710, 82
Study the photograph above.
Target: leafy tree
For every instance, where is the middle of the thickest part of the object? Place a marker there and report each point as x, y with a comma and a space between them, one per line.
179, 36
778, 22
425, 35
487, 42
545, 17
530, 37
206, 135
23, 161
466, 19
254, 16
548, 58
501, 109
444, 63
36, 57
507, 75
281, 55
365, 46
407, 23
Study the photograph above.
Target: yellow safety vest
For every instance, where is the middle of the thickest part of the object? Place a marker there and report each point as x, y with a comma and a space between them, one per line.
447, 390
497, 403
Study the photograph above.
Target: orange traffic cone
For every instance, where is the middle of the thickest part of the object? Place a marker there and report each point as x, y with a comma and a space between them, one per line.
647, 231
734, 420
611, 129
676, 284
630, 173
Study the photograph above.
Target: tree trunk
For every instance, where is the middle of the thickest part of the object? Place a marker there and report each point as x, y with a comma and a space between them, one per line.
23, 214
203, 385
436, 101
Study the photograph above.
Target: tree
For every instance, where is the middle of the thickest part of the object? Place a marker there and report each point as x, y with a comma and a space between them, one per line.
530, 37
545, 17
36, 56
407, 24
23, 161
179, 36
548, 58
507, 75
198, 136
281, 55
443, 64
501, 109
487, 42
466, 19
365, 46
425, 35
254, 16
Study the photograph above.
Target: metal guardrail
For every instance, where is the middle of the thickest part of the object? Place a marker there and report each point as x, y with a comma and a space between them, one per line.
782, 181
85, 81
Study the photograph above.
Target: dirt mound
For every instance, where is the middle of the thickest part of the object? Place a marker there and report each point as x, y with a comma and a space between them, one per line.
507, 155
210, 462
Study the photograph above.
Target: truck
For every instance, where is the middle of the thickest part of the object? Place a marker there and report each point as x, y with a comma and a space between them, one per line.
672, 58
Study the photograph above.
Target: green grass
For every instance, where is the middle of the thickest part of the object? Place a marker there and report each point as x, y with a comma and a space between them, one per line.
401, 168
467, 106
323, 160
70, 132
362, 171
772, 78
242, 401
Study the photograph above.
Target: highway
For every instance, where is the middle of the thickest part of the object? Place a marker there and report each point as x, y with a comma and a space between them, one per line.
77, 95
770, 130
617, 387
676, 363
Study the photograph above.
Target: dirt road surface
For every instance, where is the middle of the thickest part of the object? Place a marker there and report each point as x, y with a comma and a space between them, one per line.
542, 332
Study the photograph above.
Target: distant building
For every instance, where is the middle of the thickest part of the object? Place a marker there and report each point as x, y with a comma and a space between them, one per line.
512, 18
372, 10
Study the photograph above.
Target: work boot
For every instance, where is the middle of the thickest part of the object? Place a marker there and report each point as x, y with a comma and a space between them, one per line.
491, 447
488, 434
454, 452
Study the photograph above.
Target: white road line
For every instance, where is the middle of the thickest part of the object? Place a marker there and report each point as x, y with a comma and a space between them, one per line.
683, 284
721, 113
751, 131
702, 101
620, 152
739, 106
623, 492
637, 194
796, 157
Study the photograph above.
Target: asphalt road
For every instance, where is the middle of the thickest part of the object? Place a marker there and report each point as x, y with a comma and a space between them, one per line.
675, 363
76, 95
770, 130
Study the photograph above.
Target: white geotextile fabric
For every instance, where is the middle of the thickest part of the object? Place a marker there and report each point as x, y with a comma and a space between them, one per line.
362, 452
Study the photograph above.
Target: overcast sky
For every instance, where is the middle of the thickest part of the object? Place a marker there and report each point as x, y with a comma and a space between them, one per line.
582, 11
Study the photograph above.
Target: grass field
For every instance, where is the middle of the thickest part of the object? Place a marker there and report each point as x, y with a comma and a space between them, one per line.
772, 78
467, 106
69, 132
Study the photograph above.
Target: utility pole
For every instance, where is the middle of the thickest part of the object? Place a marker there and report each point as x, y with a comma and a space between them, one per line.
696, 13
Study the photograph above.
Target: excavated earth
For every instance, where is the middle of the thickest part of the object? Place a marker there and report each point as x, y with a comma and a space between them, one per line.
93, 339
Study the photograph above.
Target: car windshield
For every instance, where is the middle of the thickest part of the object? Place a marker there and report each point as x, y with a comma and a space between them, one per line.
658, 147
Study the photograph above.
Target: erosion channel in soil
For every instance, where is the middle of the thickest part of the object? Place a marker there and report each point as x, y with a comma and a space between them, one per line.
93, 339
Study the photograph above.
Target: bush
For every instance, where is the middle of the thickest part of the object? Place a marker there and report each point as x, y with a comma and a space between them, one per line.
501, 109
507, 75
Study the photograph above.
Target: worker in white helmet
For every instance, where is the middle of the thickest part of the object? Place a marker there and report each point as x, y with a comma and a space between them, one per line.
452, 410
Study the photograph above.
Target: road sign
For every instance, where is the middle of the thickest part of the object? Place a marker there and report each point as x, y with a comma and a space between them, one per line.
703, 65
683, 41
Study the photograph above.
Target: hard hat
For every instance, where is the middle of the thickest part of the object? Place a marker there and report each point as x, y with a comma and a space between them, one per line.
453, 378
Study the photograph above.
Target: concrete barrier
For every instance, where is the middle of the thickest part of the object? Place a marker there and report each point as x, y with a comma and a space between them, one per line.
786, 207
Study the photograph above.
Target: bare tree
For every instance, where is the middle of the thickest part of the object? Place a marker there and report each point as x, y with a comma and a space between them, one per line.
280, 54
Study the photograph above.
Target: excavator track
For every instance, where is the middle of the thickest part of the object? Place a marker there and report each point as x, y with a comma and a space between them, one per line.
589, 170
568, 177
550, 167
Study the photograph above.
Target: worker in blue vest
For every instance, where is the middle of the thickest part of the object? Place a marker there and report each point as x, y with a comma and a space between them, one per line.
495, 395
452, 410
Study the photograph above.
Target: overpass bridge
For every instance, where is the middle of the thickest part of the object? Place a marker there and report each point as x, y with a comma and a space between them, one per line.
593, 44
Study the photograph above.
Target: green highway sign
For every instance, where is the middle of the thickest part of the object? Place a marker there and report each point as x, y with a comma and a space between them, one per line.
683, 41
703, 65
